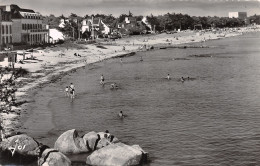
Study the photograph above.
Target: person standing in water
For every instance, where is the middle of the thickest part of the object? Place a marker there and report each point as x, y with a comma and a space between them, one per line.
2, 135
102, 80
67, 91
72, 91
182, 79
168, 77
121, 115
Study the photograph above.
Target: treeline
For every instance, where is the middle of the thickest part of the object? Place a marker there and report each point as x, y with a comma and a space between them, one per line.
183, 21
167, 22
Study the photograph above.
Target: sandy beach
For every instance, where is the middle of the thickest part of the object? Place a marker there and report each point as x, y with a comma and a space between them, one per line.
52, 63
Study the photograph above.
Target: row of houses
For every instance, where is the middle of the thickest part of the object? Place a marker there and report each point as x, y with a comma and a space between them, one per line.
97, 26
21, 26
25, 26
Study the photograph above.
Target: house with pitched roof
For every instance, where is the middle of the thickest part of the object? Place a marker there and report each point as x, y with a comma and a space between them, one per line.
95, 25
131, 26
63, 21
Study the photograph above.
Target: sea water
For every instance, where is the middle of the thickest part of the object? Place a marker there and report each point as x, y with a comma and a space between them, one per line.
210, 118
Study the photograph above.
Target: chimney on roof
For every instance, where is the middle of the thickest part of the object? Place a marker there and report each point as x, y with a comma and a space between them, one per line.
8, 8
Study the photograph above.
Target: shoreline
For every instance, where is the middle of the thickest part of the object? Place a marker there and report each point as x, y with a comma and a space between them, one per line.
52, 70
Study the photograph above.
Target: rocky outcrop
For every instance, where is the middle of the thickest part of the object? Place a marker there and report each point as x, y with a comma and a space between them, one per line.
98, 140
20, 148
70, 142
118, 154
52, 157
91, 140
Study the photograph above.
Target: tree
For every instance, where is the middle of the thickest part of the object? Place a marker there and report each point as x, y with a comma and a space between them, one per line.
73, 15
52, 21
130, 14
254, 19
154, 22
86, 35
122, 17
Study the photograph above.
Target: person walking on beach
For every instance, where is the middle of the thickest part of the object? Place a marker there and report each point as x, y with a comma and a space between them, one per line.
102, 80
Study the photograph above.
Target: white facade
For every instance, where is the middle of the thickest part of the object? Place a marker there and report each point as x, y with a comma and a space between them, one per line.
6, 32
144, 20
30, 31
55, 35
27, 26
63, 22
106, 28
85, 26
241, 15
127, 20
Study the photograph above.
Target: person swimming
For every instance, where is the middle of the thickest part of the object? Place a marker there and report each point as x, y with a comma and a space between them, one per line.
121, 115
182, 79
141, 59
102, 79
114, 86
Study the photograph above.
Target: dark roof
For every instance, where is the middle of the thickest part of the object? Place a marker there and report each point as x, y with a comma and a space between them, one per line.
27, 10
96, 21
5, 16
131, 19
15, 11
15, 7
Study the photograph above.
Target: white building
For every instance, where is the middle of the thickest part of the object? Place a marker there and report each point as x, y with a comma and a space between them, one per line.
241, 15
95, 23
5, 28
145, 21
55, 35
63, 21
27, 26
106, 29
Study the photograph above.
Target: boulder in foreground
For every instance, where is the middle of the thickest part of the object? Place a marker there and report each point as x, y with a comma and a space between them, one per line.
19, 147
52, 157
70, 142
118, 154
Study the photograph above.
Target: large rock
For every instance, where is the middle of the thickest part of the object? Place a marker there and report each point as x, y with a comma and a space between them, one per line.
110, 137
19, 147
91, 140
98, 140
71, 142
52, 157
117, 154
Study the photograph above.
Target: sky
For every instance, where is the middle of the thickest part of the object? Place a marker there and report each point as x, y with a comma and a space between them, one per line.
138, 7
